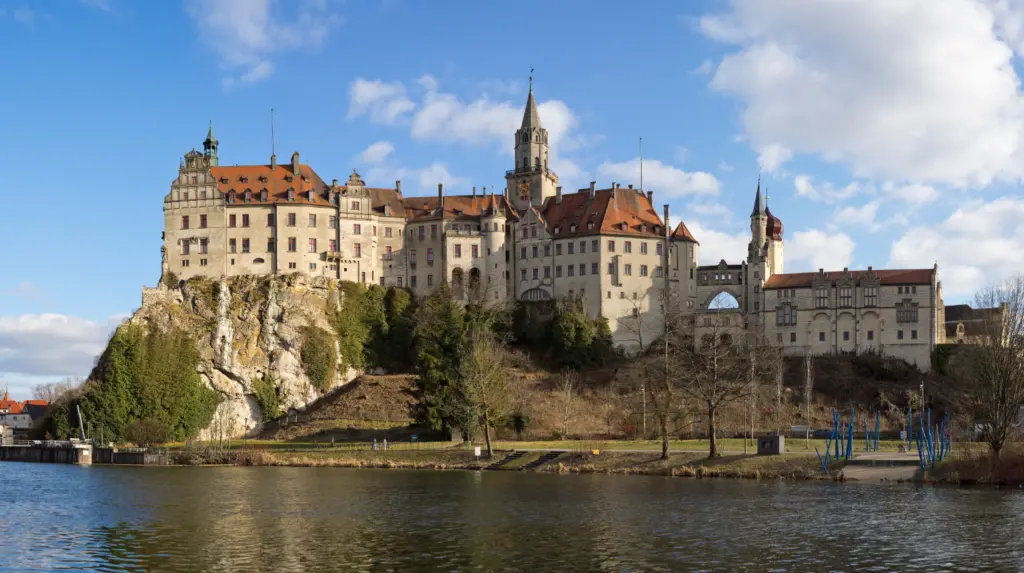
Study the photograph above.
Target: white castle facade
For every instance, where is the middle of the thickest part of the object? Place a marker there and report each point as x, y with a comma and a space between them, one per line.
607, 248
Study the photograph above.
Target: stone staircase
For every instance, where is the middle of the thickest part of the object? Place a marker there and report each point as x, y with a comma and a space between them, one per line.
502, 462
549, 456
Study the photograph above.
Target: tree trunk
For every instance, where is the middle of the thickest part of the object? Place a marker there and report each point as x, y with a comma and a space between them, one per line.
713, 453
663, 421
487, 435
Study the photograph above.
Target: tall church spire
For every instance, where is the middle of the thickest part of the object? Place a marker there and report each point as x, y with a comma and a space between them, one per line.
531, 118
758, 202
210, 145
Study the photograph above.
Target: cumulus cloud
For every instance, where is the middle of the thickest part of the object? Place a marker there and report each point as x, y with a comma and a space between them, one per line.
377, 152
863, 216
422, 179
665, 179
824, 192
52, 344
247, 34
979, 243
772, 157
815, 249
710, 211
725, 166
916, 90
718, 245
384, 102
915, 193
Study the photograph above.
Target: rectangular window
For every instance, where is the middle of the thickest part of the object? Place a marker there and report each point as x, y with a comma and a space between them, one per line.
184, 263
593, 245
332, 222
421, 231
245, 245
913, 290
202, 262
270, 245
611, 268
570, 248
270, 220
245, 220
202, 221
332, 245
593, 269
628, 247
558, 250
184, 222
357, 250
430, 255
312, 266
558, 271
203, 246
547, 250
412, 281
312, 245
821, 298
533, 232
643, 270
458, 251
522, 274
357, 229
522, 253
475, 251
870, 296
583, 269
399, 279
821, 337
291, 265
291, 219
292, 245
658, 249
899, 335
355, 205
535, 251
792, 337
547, 272
232, 246
231, 220
628, 270
846, 336
643, 248
185, 247
657, 271
611, 246
845, 296
913, 335
536, 274
433, 231
583, 247
906, 311
570, 270
871, 335
430, 280
387, 253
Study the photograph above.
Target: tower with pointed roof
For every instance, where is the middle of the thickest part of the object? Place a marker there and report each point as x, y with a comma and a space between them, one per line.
210, 145
530, 181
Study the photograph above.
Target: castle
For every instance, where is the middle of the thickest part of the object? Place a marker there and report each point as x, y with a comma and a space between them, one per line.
607, 248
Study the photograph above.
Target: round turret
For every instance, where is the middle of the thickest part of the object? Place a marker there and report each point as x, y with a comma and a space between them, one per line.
774, 227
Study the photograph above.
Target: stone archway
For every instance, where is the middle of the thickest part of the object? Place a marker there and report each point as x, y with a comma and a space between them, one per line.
723, 299
474, 283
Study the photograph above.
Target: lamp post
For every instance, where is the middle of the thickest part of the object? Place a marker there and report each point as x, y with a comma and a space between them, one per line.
643, 390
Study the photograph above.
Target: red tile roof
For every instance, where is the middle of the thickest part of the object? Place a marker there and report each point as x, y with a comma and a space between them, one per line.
682, 233
9, 405
629, 212
885, 277
277, 182
421, 208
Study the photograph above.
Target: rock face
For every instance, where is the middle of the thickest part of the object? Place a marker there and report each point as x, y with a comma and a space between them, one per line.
246, 328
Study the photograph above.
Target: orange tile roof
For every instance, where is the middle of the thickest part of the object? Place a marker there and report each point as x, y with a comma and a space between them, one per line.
421, 208
885, 277
277, 182
35, 403
10, 405
683, 234
628, 207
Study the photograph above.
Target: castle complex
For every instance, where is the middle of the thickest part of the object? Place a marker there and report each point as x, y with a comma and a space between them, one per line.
607, 248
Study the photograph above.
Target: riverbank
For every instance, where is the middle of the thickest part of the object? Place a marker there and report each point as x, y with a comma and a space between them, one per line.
978, 469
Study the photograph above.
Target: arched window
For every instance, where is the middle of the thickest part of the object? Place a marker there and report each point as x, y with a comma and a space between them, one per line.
536, 162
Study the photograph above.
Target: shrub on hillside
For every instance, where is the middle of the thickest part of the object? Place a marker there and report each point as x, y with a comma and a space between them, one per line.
319, 357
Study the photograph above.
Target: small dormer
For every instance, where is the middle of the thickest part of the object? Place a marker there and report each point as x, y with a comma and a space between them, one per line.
590, 225
231, 196
572, 228
263, 179
291, 193
312, 196
248, 196
643, 228
263, 195
225, 180
623, 226
387, 209
243, 179
558, 229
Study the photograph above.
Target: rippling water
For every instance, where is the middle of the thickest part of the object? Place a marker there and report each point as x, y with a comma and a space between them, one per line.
56, 517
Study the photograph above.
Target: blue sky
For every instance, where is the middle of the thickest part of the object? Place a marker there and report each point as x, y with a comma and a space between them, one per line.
887, 134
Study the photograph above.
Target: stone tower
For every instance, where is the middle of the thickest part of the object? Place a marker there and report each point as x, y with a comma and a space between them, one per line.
210, 145
757, 266
530, 182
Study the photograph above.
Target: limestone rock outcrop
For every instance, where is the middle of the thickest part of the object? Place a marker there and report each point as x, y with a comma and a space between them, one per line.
247, 328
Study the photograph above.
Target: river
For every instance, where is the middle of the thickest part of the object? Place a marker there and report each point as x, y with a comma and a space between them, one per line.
56, 517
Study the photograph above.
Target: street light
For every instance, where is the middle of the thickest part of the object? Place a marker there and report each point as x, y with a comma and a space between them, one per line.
643, 390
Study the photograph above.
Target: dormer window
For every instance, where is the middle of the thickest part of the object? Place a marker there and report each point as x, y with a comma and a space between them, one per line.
243, 179
288, 177
231, 196
643, 228
263, 178
330, 196
248, 196
312, 196
387, 209
590, 225
624, 227
291, 194
558, 230
263, 195
572, 228
657, 229
222, 180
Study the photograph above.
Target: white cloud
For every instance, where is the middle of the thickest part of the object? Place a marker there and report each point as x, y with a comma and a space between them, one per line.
726, 167
915, 193
246, 34
771, 157
825, 192
917, 90
52, 344
385, 102
377, 152
665, 179
423, 179
979, 243
710, 210
705, 67
718, 245
814, 249
863, 216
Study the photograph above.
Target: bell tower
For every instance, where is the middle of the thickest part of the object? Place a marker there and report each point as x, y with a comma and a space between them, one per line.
210, 145
530, 182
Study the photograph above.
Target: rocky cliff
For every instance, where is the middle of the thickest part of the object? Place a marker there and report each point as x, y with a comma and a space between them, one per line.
249, 331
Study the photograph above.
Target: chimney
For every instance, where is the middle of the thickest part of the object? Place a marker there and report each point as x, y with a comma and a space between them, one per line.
630, 185
593, 189
440, 192
650, 196
869, 267
334, 183
474, 190
295, 163
615, 187
398, 186
558, 194
846, 269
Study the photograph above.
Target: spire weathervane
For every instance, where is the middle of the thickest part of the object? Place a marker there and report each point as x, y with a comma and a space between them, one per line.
531, 78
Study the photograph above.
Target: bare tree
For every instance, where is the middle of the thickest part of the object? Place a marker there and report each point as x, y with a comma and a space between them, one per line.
991, 371
568, 387
484, 377
637, 321
808, 372
52, 391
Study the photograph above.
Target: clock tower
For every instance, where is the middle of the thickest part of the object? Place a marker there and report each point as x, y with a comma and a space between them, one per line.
531, 182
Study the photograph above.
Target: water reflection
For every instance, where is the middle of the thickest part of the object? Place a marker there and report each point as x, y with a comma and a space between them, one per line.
324, 519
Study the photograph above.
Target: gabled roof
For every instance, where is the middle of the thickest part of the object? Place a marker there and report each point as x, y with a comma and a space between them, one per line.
11, 406
277, 181
683, 234
424, 208
885, 277
607, 211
